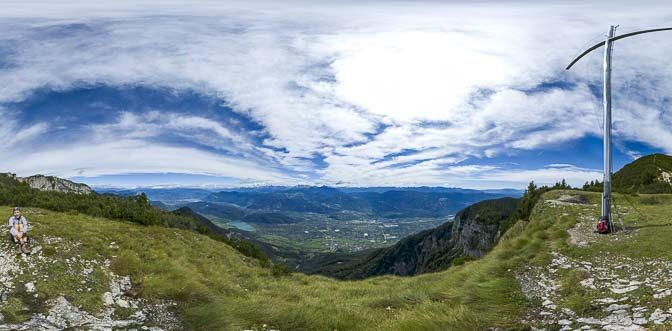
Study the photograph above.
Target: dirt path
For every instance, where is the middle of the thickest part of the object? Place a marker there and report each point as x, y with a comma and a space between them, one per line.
624, 293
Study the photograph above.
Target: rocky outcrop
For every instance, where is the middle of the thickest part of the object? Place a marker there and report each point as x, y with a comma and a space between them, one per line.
50, 183
615, 281
476, 228
474, 238
21, 278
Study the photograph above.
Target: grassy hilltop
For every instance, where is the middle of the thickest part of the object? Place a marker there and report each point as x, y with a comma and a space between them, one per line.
647, 174
205, 284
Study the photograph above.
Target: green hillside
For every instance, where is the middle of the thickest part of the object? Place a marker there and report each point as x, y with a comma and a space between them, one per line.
542, 272
136, 209
648, 174
217, 288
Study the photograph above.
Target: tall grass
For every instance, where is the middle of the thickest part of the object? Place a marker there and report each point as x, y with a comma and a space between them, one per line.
217, 288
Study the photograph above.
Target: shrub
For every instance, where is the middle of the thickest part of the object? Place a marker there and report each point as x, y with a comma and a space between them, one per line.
280, 270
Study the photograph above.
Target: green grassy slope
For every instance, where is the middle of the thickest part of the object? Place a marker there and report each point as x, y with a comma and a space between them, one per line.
649, 174
136, 209
217, 288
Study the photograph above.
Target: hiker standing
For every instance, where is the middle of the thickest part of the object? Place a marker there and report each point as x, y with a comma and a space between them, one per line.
18, 229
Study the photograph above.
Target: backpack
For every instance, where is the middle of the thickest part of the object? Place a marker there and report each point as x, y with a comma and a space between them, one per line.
603, 226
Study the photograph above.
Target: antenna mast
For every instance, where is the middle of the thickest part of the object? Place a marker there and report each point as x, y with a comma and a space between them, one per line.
606, 100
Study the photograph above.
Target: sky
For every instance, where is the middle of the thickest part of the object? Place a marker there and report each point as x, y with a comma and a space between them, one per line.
469, 94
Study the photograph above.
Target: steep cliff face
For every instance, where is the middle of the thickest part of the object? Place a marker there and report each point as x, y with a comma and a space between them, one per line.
50, 183
474, 239
472, 234
477, 227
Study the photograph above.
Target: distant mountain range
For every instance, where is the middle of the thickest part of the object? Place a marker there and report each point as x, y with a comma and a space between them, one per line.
161, 194
262, 204
394, 203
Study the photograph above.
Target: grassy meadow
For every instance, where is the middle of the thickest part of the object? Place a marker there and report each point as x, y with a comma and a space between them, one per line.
217, 288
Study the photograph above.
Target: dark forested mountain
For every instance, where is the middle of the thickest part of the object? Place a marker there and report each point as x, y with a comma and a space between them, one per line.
268, 218
473, 232
327, 200
161, 194
223, 211
160, 205
410, 203
230, 212
311, 199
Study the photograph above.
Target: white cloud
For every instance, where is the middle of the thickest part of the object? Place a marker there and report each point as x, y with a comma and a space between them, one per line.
13, 133
156, 123
129, 155
448, 81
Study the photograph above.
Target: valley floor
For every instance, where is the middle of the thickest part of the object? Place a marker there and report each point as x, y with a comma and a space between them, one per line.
550, 273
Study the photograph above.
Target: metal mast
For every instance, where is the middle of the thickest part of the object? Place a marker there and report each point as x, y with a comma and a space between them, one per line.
606, 100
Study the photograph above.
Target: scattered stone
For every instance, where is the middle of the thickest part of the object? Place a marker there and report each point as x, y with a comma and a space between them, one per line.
122, 303
108, 299
30, 287
589, 320
615, 307
622, 290
589, 283
610, 300
568, 312
658, 316
640, 321
636, 284
662, 294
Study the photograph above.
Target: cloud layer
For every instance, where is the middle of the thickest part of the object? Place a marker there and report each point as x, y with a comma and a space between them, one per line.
367, 93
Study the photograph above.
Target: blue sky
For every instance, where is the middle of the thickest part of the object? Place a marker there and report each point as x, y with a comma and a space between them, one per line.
368, 93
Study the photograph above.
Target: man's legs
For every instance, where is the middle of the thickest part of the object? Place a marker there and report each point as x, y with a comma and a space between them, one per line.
20, 235
14, 235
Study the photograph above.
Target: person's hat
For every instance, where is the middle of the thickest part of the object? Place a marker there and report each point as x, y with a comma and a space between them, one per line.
17, 209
